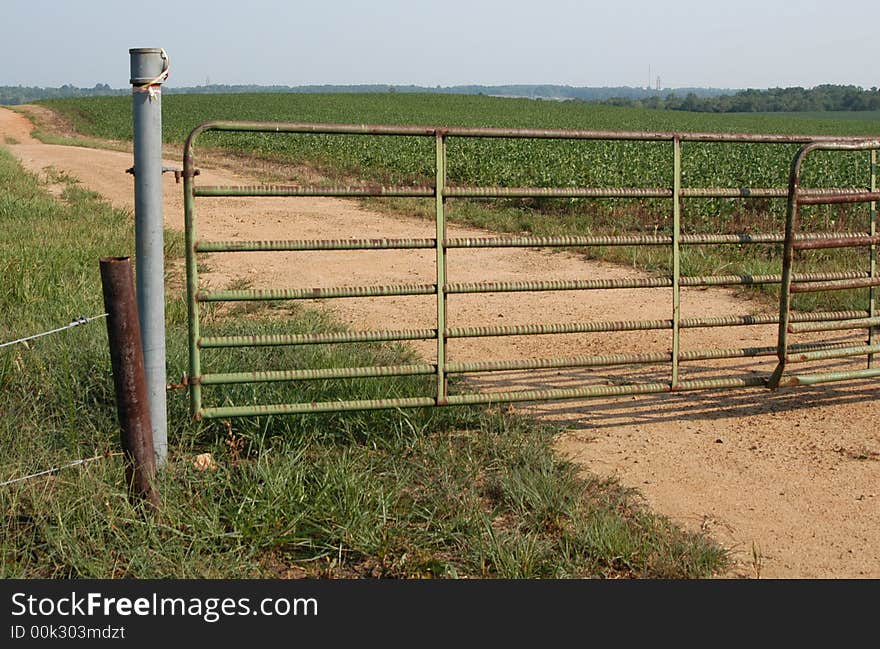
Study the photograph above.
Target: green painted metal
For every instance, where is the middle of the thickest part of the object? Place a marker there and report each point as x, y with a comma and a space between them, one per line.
828, 354
192, 276
214, 342
442, 333
826, 377
326, 244
872, 292
834, 325
313, 407
440, 264
281, 190
318, 374
413, 191
315, 293
676, 257
813, 286
792, 284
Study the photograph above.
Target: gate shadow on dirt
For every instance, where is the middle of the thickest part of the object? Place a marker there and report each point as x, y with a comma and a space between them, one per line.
700, 405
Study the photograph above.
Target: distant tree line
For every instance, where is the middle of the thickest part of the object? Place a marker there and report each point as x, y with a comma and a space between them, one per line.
703, 100
13, 95
23, 94
774, 100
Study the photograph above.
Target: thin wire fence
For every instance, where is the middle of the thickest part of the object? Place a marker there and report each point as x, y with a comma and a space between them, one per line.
76, 322
103, 456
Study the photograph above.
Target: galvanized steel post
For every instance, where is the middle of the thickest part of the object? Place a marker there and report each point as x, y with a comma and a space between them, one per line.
149, 68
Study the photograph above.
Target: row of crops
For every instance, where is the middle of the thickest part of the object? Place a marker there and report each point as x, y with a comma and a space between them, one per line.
497, 162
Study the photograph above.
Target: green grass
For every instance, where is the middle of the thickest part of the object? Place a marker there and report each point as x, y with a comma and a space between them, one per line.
551, 163
460, 492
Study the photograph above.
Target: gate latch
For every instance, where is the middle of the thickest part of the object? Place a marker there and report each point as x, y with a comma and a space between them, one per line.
178, 174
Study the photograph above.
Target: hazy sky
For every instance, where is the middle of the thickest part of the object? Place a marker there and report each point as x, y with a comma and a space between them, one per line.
734, 44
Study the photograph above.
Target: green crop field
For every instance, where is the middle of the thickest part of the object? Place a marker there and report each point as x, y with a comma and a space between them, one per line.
501, 162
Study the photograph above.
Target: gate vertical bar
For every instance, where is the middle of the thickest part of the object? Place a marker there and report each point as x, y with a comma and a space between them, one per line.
791, 218
149, 68
676, 257
192, 279
440, 187
872, 295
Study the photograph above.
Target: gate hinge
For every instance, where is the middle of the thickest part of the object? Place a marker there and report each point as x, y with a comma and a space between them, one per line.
185, 382
178, 174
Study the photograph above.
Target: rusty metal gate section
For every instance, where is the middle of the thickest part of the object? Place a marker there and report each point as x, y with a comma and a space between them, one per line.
792, 283
439, 331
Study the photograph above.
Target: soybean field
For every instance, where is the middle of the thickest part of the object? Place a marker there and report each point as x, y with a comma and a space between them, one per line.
501, 162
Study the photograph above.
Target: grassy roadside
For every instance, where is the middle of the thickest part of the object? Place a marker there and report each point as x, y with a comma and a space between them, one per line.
446, 493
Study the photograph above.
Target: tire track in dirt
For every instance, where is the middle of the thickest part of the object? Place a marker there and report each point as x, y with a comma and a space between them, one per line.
789, 481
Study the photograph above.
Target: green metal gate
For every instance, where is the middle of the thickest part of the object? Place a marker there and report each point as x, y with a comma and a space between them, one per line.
792, 283
439, 331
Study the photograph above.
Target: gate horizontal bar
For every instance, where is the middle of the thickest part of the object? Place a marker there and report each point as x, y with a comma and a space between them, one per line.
426, 191
314, 190
631, 325
558, 285
834, 325
624, 359
556, 134
719, 384
495, 366
209, 342
806, 196
272, 340
558, 363
601, 391
829, 354
556, 192
314, 293
647, 282
826, 377
760, 192
556, 242
559, 328
560, 393
811, 286
836, 241
314, 407
314, 244
323, 373
854, 197
500, 242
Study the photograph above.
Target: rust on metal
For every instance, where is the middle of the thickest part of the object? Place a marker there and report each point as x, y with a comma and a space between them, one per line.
854, 197
838, 285
830, 241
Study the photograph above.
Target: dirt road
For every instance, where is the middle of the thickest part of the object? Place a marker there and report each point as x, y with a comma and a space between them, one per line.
790, 481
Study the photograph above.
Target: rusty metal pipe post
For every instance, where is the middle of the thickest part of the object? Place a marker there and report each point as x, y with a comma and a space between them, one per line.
129, 379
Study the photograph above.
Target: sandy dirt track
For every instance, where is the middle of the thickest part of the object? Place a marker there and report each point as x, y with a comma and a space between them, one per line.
792, 478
